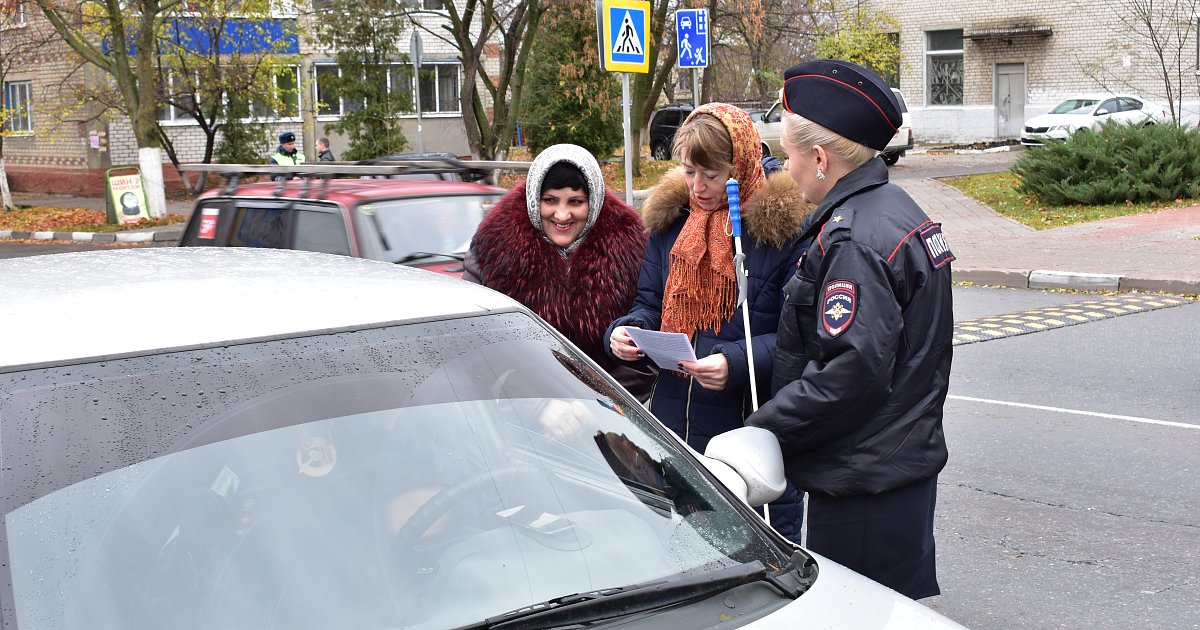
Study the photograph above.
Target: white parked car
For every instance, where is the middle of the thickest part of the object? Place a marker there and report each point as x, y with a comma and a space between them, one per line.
770, 126
1089, 111
285, 439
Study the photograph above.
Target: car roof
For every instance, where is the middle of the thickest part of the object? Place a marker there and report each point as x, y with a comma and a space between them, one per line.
351, 192
119, 302
1097, 96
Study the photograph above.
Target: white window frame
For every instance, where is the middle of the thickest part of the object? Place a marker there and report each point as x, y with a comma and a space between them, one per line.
264, 116
930, 53
169, 114
16, 19
19, 108
431, 91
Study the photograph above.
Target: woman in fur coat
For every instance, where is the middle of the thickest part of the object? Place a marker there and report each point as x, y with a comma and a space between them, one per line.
687, 281
562, 245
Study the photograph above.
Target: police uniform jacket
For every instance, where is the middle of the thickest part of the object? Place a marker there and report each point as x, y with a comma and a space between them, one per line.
864, 344
772, 226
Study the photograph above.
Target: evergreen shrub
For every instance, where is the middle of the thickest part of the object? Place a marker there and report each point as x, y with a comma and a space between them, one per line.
1117, 163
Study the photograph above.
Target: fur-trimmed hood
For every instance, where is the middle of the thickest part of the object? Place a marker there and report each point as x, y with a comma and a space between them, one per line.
579, 294
775, 213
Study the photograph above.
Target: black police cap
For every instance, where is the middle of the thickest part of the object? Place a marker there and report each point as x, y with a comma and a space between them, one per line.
287, 137
845, 98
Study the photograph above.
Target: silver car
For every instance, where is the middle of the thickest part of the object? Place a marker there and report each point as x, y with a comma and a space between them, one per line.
256, 438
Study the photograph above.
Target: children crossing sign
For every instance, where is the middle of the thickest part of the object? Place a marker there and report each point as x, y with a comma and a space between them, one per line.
625, 26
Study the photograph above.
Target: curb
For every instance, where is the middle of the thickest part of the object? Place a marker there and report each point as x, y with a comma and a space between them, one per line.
1079, 281
141, 236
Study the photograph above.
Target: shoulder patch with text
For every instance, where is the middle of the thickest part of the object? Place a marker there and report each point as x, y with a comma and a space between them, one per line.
838, 306
936, 245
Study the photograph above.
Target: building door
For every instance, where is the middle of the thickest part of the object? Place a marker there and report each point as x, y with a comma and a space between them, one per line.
1010, 99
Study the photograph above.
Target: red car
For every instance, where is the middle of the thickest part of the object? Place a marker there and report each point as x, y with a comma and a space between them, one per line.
416, 221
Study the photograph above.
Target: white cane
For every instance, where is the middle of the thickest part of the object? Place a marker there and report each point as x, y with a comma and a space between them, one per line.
739, 270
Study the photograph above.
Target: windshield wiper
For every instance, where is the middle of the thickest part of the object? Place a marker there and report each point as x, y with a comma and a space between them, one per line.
423, 255
608, 603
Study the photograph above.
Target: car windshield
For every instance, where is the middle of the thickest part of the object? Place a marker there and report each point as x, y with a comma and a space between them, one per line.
395, 229
1075, 106
425, 475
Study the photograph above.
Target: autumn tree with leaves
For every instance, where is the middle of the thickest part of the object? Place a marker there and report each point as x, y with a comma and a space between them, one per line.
21, 42
577, 102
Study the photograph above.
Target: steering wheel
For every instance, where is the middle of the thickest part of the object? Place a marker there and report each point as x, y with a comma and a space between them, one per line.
482, 485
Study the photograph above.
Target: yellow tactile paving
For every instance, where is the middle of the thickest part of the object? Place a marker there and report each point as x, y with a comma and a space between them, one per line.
1036, 320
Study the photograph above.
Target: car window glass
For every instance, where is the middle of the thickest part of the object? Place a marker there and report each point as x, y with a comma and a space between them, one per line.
270, 484
775, 114
1074, 106
1109, 106
318, 231
259, 227
1130, 105
900, 100
393, 229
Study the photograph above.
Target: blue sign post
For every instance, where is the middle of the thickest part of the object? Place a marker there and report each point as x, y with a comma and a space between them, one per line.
691, 32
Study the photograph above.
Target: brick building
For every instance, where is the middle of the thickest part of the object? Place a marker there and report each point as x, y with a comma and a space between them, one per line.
975, 70
47, 151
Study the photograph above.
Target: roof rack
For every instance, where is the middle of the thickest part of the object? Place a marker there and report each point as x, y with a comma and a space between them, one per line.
232, 174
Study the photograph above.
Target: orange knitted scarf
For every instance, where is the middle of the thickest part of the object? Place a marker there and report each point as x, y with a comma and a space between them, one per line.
701, 288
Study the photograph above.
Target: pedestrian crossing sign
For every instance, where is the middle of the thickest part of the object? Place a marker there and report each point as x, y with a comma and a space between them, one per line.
626, 27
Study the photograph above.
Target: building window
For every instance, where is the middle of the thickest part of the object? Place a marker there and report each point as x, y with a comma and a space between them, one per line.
944, 67
287, 92
439, 88
18, 106
13, 14
175, 100
327, 103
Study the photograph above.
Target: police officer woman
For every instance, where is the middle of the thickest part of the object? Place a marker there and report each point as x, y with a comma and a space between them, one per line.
862, 360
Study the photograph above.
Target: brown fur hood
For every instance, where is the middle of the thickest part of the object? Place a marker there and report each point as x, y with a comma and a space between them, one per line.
774, 215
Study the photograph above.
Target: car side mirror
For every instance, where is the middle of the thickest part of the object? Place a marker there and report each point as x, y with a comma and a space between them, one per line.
750, 463
1102, 112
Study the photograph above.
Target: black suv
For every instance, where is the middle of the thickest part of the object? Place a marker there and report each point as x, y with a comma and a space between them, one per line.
663, 123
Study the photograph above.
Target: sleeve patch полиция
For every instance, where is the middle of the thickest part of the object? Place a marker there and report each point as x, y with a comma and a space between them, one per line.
837, 308
936, 245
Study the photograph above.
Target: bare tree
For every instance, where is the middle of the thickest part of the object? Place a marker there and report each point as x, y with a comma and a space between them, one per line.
1163, 33
480, 30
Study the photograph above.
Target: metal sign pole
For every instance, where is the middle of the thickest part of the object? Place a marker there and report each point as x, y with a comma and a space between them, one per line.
628, 138
415, 53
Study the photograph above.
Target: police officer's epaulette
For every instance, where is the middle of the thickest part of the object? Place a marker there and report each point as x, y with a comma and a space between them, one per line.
838, 226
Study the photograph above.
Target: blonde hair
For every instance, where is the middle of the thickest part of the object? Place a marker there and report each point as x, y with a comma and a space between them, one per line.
803, 133
706, 142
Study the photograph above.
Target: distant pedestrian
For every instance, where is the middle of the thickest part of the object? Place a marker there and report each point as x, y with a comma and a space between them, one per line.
286, 154
862, 358
323, 152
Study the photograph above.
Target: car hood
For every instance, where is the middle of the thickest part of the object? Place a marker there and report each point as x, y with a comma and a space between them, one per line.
1050, 120
838, 590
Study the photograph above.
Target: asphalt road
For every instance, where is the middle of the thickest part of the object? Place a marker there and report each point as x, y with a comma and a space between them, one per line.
1079, 508
921, 165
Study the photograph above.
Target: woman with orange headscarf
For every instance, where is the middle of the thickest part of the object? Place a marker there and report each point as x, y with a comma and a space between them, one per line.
687, 282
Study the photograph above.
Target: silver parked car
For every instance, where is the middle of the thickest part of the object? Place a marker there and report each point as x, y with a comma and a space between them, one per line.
1089, 111
259, 438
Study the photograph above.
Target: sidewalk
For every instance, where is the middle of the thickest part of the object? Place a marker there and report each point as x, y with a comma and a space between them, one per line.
1152, 252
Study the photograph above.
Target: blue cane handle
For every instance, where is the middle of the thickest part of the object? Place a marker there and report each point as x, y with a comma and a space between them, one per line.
735, 206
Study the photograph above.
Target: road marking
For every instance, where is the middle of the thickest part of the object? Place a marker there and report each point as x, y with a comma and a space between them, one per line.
1050, 317
1110, 416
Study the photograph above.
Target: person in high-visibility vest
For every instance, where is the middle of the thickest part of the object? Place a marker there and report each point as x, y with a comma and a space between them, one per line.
286, 154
